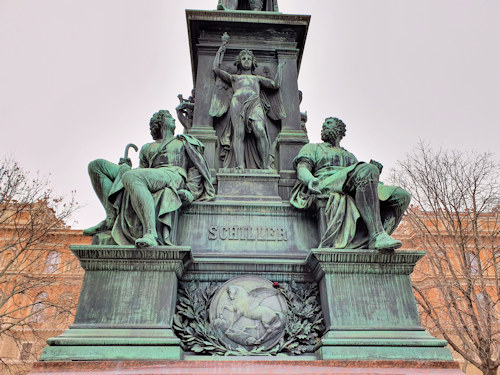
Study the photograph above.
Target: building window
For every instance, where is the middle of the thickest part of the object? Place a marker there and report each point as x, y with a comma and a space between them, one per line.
472, 263
7, 258
25, 352
481, 300
39, 307
52, 262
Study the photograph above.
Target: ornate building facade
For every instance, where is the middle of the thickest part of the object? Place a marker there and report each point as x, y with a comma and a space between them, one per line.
464, 271
51, 278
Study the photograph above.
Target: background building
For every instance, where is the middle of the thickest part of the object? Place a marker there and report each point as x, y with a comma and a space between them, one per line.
457, 282
40, 281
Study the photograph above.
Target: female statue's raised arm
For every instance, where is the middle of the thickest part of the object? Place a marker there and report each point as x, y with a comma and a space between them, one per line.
219, 56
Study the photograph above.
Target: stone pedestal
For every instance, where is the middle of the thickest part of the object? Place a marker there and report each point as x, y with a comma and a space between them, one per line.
235, 228
250, 185
126, 305
369, 308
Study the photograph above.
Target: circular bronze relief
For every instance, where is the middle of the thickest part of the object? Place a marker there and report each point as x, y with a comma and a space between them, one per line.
248, 312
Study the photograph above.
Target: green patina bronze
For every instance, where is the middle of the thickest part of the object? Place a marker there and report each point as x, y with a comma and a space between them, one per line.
293, 257
360, 212
126, 305
370, 311
253, 5
298, 312
139, 203
249, 99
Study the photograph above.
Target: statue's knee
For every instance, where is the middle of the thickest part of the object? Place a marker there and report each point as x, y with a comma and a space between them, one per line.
400, 198
95, 165
128, 178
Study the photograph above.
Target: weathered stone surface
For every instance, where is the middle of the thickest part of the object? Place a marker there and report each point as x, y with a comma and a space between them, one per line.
243, 228
251, 185
369, 308
126, 305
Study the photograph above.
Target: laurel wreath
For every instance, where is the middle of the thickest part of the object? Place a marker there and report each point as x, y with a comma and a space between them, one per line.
192, 325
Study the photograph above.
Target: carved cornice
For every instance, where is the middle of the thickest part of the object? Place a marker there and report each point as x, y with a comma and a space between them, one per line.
130, 258
248, 209
133, 265
279, 277
291, 137
287, 54
282, 31
248, 16
273, 268
351, 261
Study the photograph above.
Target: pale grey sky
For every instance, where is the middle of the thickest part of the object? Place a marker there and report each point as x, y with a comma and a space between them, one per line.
80, 79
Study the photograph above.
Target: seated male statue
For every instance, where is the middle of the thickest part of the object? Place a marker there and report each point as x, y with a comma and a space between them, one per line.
139, 203
361, 212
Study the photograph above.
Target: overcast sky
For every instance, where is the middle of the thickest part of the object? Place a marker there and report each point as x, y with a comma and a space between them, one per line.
81, 79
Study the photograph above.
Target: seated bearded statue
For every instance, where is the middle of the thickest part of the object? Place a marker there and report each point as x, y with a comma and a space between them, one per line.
140, 203
360, 211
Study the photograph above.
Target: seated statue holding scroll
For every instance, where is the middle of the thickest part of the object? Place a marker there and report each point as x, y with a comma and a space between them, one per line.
139, 203
361, 212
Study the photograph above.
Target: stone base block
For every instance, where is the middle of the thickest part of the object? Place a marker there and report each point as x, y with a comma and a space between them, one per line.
228, 229
369, 308
126, 305
101, 352
254, 185
382, 345
113, 344
278, 366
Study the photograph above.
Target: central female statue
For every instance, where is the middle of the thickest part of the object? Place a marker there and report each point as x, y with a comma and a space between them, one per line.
249, 99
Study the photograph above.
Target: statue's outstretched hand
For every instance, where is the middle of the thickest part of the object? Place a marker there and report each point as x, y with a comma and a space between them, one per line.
313, 186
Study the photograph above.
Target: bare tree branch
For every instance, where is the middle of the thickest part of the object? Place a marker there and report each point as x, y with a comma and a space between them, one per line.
455, 218
32, 219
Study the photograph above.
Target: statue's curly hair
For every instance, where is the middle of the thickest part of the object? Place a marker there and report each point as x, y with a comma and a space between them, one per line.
157, 121
237, 60
335, 131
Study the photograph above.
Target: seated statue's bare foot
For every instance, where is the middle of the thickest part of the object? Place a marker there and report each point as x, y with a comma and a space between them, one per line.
383, 241
103, 226
148, 240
